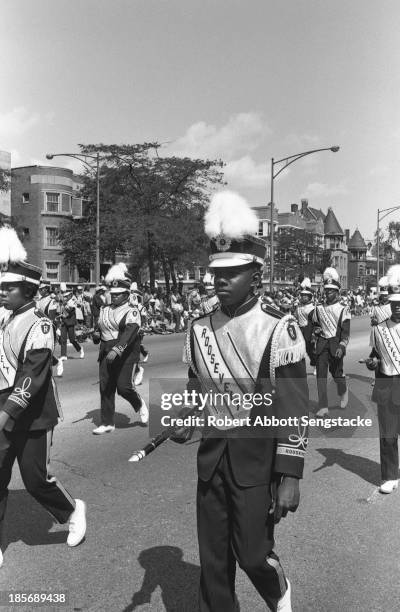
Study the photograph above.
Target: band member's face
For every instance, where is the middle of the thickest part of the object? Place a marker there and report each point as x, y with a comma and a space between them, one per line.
119, 298
331, 295
233, 285
305, 299
13, 296
44, 291
395, 306
383, 298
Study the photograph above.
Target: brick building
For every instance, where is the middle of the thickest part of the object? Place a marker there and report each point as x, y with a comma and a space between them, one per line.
42, 197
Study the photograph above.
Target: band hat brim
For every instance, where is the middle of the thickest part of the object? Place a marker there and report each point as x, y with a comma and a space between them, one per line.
119, 290
384, 292
11, 277
307, 292
228, 260
394, 297
331, 286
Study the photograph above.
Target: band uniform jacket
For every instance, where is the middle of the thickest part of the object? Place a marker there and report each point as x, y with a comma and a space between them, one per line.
334, 321
303, 314
385, 345
27, 390
117, 329
48, 306
257, 350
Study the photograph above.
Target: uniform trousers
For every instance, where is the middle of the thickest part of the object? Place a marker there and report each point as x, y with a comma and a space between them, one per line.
389, 429
32, 451
117, 377
234, 526
68, 331
324, 361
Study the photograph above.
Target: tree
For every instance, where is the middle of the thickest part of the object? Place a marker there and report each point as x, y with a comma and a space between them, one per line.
5, 178
297, 252
151, 207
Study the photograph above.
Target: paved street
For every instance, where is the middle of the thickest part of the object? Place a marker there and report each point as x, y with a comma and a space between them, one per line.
141, 549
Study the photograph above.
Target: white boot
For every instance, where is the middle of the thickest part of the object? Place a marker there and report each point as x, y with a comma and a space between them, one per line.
344, 399
144, 412
60, 368
77, 524
389, 486
81, 353
138, 376
1, 558
285, 604
322, 412
102, 429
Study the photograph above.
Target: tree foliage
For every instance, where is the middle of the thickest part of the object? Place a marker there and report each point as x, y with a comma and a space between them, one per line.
151, 207
5, 178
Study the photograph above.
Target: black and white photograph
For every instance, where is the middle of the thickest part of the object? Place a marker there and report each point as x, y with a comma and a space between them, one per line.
199, 305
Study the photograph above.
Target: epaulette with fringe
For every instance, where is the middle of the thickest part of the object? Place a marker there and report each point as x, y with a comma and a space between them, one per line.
287, 345
271, 311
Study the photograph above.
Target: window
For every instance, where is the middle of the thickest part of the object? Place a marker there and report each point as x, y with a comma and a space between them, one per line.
52, 201
52, 270
25, 198
66, 203
260, 228
51, 237
25, 231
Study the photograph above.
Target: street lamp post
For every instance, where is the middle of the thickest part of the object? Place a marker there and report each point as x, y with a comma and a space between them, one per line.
387, 212
285, 162
82, 158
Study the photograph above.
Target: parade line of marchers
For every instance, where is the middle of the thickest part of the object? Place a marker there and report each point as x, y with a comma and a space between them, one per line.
263, 421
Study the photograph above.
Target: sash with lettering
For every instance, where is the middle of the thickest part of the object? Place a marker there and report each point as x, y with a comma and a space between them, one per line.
381, 312
385, 339
327, 316
302, 313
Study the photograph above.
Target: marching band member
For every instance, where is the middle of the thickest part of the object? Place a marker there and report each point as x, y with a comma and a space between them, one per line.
118, 334
29, 407
385, 360
245, 346
48, 305
68, 322
382, 310
303, 314
332, 327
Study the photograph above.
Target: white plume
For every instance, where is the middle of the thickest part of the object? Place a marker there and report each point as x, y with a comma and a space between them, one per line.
331, 273
116, 272
383, 282
393, 276
229, 214
123, 266
11, 248
306, 283
134, 286
63, 287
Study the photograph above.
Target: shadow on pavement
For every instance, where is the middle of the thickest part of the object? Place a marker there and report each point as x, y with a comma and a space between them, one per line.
178, 580
366, 469
122, 421
28, 522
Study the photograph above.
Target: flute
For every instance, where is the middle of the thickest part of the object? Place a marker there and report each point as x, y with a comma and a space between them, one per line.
138, 455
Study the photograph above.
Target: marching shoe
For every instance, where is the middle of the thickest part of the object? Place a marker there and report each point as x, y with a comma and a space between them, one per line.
389, 486
102, 429
139, 376
145, 358
81, 353
322, 412
60, 368
144, 412
1, 558
285, 604
344, 399
315, 372
77, 524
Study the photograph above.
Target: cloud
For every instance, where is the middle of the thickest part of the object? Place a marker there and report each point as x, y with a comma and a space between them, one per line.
245, 172
17, 122
380, 171
323, 190
242, 134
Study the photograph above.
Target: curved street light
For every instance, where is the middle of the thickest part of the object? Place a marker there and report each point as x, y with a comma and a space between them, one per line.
285, 162
81, 158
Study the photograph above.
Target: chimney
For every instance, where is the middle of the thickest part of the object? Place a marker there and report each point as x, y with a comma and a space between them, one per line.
294, 208
347, 232
304, 206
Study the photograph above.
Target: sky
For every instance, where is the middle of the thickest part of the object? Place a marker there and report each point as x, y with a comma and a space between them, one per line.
240, 80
